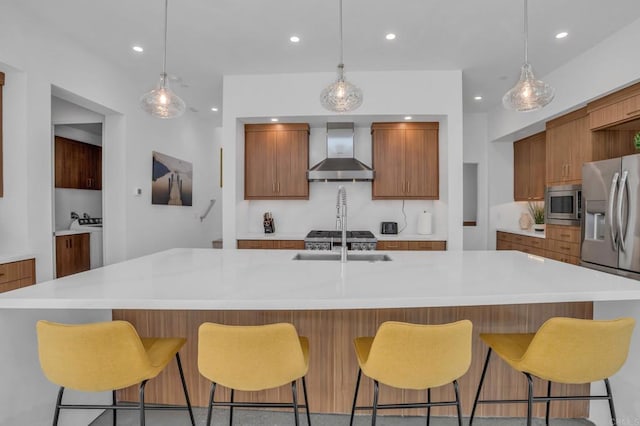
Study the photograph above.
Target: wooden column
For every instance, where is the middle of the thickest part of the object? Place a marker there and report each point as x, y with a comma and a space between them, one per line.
333, 367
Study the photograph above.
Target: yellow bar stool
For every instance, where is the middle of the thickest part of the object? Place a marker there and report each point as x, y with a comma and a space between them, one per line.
105, 356
563, 350
253, 358
414, 356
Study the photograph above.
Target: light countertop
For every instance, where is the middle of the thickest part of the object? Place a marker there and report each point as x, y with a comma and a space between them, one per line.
210, 279
70, 232
410, 237
8, 258
380, 237
526, 232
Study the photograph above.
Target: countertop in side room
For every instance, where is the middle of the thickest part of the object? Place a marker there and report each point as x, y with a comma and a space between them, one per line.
208, 279
70, 232
525, 232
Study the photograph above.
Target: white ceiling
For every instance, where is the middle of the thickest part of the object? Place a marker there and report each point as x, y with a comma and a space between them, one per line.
210, 38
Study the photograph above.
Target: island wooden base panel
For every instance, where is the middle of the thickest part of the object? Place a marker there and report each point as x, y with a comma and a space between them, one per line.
333, 367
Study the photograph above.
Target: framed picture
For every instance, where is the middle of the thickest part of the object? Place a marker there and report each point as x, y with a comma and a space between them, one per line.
172, 181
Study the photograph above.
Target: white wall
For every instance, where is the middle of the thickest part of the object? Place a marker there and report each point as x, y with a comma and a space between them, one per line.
132, 225
475, 151
437, 94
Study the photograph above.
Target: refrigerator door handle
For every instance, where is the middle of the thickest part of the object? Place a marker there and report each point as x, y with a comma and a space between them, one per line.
612, 195
621, 192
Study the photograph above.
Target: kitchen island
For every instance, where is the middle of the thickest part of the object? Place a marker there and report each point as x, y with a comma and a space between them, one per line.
172, 292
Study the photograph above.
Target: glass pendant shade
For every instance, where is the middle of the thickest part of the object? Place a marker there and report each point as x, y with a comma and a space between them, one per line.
529, 94
161, 102
341, 96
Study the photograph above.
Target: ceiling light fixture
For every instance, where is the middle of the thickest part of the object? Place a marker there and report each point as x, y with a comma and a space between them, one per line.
562, 34
477, 98
138, 49
294, 39
214, 109
408, 117
341, 96
274, 120
390, 36
161, 102
529, 94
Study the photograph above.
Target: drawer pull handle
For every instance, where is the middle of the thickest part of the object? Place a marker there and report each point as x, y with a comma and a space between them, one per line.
633, 112
565, 248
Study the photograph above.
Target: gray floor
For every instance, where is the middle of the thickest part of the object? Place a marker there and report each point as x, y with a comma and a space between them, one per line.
266, 418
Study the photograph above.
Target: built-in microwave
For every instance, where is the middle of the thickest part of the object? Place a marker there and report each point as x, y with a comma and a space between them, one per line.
563, 205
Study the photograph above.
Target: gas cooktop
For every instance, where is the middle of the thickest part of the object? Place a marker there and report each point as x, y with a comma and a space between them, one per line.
327, 235
326, 240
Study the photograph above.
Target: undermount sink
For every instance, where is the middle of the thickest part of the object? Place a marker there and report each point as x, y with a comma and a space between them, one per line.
365, 257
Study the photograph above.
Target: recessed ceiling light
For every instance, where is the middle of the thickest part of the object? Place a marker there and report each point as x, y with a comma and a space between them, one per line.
477, 98
138, 49
390, 36
214, 109
408, 117
294, 39
274, 119
563, 34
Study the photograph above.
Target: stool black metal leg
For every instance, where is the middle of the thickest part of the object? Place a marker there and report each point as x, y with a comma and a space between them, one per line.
459, 409
114, 411
184, 388
294, 392
529, 399
614, 420
428, 406
306, 400
231, 410
355, 396
484, 372
209, 410
142, 419
546, 417
56, 413
375, 402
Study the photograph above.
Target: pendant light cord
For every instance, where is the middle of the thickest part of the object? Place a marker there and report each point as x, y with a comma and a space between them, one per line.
164, 55
526, 33
341, 52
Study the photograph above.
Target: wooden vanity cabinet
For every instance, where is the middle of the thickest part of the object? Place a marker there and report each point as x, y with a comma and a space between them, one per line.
18, 274
529, 168
405, 160
72, 254
276, 161
78, 165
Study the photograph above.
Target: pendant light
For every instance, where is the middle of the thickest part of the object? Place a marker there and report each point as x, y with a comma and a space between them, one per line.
529, 94
341, 96
161, 102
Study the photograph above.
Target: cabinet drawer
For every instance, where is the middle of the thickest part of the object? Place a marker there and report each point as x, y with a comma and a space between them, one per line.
256, 244
536, 242
570, 234
504, 245
574, 260
289, 244
17, 270
393, 245
502, 236
12, 285
571, 249
427, 245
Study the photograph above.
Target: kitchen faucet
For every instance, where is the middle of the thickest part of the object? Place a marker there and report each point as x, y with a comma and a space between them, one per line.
341, 220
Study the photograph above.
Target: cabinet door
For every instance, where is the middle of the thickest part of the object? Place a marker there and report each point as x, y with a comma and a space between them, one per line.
93, 166
558, 154
521, 170
69, 164
292, 163
537, 166
580, 149
72, 254
421, 164
389, 164
63, 257
260, 165
81, 252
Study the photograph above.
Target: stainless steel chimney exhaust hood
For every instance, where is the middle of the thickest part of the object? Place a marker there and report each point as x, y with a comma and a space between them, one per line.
340, 163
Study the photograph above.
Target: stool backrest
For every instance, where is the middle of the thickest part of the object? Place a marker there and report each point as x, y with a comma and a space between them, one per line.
250, 358
571, 350
92, 357
414, 356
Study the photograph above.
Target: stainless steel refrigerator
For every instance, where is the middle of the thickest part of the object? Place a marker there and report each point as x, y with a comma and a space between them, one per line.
611, 224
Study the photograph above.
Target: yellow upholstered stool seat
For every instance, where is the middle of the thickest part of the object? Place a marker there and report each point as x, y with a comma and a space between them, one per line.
563, 350
104, 356
414, 356
253, 358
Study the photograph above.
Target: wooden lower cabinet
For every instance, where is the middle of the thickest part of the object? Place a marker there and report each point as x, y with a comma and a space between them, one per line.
412, 245
332, 363
72, 254
271, 244
561, 243
19, 274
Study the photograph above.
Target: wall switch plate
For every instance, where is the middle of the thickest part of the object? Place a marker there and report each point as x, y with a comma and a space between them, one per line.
137, 192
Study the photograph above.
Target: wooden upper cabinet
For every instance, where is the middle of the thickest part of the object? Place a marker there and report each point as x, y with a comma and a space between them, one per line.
276, 161
529, 168
569, 145
405, 160
78, 165
619, 107
1, 160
